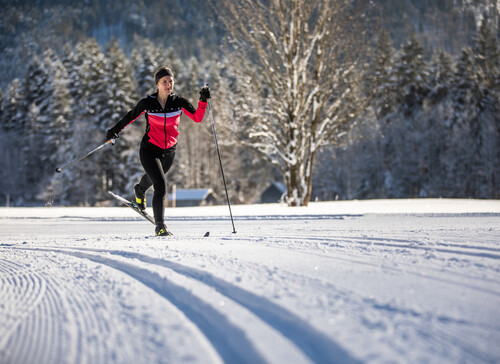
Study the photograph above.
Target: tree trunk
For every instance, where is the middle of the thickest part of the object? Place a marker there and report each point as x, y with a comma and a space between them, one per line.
309, 177
292, 185
298, 180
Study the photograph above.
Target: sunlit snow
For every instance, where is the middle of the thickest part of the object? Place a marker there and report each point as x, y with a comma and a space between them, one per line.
404, 281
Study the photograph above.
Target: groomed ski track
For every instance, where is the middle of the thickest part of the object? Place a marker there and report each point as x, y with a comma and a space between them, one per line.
311, 286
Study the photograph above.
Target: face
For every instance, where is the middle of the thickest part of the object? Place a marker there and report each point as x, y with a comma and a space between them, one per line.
165, 85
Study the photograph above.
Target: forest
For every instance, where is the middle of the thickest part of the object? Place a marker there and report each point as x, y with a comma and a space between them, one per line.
414, 106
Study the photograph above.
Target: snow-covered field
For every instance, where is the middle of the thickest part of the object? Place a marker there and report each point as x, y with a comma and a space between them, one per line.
405, 281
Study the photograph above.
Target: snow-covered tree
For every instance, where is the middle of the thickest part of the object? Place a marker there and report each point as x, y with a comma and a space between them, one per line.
476, 96
410, 77
57, 131
409, 85
291, 58
35, 121
121, 161
486, 55
12, 113
35, 104
1, 105
94, 74
486, 128
88, 75
53, 122
378, 76
147, 58
12, 157
437, 116
194, 152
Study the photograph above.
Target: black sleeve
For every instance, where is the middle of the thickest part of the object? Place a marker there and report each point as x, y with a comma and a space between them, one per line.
131, 116
185, 104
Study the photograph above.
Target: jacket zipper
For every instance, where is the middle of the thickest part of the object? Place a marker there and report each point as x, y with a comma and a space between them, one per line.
165, 127
165, 121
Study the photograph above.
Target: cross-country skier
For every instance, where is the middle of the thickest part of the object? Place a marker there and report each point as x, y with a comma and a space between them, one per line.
163, 112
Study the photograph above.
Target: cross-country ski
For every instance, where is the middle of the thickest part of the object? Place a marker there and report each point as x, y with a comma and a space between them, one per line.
141, 212
133, 206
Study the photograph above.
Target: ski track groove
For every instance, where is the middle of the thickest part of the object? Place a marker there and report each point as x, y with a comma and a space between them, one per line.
202, 319
33, 325
312, 343
341, 242
392, 243
394, 315
227, 344
48, 341
25, 290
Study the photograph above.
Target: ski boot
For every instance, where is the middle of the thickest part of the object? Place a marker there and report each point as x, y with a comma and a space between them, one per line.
140, 197
161, 230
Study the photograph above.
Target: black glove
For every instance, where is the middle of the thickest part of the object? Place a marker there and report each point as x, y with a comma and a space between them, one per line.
112, 134
204, 94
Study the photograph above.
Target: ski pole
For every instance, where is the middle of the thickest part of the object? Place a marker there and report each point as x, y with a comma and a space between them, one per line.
60, 169
220, 163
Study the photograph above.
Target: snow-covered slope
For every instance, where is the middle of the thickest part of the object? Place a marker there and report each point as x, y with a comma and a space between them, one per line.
408, 281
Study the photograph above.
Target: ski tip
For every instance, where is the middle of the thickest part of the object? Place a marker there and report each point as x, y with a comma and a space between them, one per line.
207, 234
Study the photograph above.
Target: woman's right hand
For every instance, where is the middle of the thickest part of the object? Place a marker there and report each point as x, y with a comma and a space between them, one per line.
111, 134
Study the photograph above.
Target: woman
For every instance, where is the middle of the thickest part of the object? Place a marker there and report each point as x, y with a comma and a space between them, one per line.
163, 111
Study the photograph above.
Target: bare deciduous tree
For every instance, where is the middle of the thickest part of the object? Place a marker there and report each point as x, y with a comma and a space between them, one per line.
294, 67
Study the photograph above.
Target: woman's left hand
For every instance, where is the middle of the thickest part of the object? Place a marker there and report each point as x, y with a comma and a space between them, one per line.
204, 94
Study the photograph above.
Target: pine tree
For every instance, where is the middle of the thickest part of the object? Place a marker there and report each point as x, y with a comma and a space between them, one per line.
403, 141
143, 72
379, 88
89, 78
487, 56
52, 124
12, 113
95, 82
122, 86
12, 181
72, 60
62, 102
190, 156
378, 75
486, 53
43, 128
410, 78
35, 92
438, 117
1, 107
441, 72
465, 92
121, 161
476, 121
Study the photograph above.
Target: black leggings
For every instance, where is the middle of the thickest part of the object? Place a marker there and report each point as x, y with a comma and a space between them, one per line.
156, 163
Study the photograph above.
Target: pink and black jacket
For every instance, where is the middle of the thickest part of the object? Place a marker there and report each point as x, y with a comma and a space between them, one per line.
162, 124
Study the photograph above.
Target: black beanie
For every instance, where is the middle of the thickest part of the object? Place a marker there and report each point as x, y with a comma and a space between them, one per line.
162, 72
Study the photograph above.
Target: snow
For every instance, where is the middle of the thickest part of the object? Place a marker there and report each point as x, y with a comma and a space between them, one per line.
403, 281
